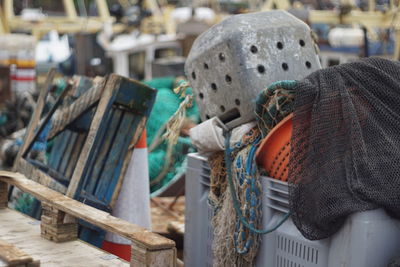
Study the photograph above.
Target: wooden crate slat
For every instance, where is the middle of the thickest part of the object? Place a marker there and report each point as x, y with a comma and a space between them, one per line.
98, 158
12, 255
68, 152
94, 216
35, 116
112, 167
80, 141
103, 106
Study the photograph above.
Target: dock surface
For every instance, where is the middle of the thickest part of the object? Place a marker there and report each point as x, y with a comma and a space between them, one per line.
24, 233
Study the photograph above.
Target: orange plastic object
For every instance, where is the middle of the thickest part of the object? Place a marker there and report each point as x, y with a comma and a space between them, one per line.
274, 151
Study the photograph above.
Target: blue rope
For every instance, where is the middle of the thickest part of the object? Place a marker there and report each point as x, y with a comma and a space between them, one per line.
228, 162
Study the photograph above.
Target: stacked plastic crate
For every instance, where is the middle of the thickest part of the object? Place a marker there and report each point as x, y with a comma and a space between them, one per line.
367, 239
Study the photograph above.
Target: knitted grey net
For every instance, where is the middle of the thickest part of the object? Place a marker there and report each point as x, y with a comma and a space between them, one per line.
346, 145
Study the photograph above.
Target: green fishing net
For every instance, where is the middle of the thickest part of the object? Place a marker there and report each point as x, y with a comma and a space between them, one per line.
166, 104
274, 104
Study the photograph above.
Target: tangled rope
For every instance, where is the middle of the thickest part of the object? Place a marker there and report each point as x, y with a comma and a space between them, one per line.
236, 240
172, 130
273, 104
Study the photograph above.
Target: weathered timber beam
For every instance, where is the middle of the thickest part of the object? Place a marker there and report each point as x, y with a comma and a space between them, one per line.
139, 236
66, 115
13, 256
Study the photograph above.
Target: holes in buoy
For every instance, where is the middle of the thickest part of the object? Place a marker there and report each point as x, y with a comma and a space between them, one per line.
308, 64
253, 49
205, 66
228, 78
221, 57
285, 66
194, 75
237, 102
279, 45
201, 95
222, 108
207, 117
214, 87
261, 69
302, 43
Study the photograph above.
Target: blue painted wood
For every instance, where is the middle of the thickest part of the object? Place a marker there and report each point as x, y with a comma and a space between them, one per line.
60, 154
110, 174
134, 123
80, 141
68, 152
102, 153
112, 168
135, 97
131, 101
58, 149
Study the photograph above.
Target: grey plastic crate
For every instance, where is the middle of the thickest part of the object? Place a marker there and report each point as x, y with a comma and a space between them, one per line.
198, 214
368, 239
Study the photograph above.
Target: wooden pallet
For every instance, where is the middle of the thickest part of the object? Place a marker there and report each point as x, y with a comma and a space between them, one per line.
92, 133
148, 249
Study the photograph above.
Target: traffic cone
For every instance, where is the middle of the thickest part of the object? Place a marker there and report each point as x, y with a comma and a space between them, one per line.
133, 203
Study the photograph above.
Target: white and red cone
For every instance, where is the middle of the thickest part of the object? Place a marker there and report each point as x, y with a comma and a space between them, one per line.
133, 203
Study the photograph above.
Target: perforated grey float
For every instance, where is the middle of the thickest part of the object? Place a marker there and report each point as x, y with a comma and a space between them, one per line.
233, 61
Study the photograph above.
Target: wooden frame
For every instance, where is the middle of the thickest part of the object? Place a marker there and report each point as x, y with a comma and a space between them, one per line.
109, 117
105, 92
148, 249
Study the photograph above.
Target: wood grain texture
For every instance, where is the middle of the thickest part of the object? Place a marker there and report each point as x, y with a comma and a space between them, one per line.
24, 233
68, 114
52, 225
3, 195
37, 175
141, 126
142, 257
12, 255
90, 139
30, 130
136, 234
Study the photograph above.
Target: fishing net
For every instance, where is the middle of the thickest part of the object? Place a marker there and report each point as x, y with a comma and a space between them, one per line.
345, 145
166, 160
233, 243
273, 104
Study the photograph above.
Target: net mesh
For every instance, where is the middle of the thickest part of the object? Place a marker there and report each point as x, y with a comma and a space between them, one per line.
345, 146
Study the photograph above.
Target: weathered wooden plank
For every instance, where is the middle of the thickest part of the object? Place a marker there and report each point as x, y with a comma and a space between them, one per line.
135, 97
30, 130
103, 106
24, 233
111, 171
136, 234
97, 161
68, 152
58, 150
142, 257
66, 115
83, 84
141, 126
37, 175
12, 255
3, 195
80, 141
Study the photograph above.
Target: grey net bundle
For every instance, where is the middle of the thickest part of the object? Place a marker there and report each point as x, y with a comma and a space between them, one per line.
345, 153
